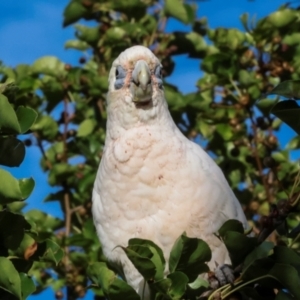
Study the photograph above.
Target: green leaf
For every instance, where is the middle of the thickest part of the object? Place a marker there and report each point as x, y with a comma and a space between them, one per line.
26, 118
88, 229
291, 39
225, 131
48, 251
60, 172
199, 283
178, 286
246, 78
87, 34
101, 275
12, 151
77, 44
27, 285
79, 240
162, 286
288, 277
16, 207
286, 255
8, 118
127, 6
12, 189
86, 127
294, 232
288, 88
46, 126
86, 183
288, 111
231, 225
259, 252
282, 18
9, 278
26, 187
140, 256
113, 287
73, 12
49, 65
238, 246
9, 188
258, 268
9, 86
281, 157
27, 246
114, 34
294, 143
252, 293
178, 10
156, 256
265, 105
12, 227
197, 40
189, 255
22, 265
222, 64
284, 296
244, 19
43, 222
53, 90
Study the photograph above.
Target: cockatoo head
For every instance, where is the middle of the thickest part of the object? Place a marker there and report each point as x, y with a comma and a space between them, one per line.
135, 93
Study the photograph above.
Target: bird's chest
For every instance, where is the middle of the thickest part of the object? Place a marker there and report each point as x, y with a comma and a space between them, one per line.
139, 172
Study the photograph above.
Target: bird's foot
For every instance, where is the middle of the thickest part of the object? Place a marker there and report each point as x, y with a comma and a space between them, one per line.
224, 274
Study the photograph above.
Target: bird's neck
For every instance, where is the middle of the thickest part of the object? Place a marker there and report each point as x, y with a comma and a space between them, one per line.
158, 120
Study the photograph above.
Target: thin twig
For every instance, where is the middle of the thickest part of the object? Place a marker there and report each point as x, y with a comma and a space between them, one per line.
163, 24
296, 183
274, 171
101, 107
235, 87
67, 208
67, 213
65, 132
257, 158
74, 209
40, 145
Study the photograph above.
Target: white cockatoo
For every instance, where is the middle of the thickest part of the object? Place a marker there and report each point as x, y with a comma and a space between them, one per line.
153, 182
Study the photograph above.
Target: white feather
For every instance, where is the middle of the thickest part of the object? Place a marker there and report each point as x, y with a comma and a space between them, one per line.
153, 182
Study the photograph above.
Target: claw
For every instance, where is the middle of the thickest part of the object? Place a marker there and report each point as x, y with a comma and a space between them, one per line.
224, 274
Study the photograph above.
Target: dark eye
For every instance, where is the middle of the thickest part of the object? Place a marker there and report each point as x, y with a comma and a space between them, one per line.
120, 77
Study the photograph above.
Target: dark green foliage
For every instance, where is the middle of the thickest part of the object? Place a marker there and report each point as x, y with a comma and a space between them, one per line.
188, 259
19, 246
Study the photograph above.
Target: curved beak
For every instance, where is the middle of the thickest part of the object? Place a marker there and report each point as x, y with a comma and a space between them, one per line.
141, 87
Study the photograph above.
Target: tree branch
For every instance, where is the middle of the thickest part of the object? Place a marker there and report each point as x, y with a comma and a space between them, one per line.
258, 160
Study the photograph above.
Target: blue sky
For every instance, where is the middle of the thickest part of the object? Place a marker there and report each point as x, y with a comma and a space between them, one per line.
31, 29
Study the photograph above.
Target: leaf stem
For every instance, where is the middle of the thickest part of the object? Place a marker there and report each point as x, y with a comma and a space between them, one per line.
235, 86
211, 297
244, 284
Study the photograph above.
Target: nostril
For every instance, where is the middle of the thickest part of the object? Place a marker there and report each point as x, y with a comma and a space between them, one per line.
135, 82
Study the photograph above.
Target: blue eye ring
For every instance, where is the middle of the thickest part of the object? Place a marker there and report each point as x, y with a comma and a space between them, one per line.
120, 74
157, 71
158, 76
